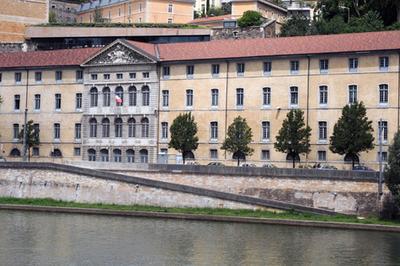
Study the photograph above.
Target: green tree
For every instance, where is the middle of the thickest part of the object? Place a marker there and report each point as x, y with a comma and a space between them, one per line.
98, 16
32, 137
183, 134
392, 171
52, 17
294, 136
250, 18
352, 133
297, 25
238, 139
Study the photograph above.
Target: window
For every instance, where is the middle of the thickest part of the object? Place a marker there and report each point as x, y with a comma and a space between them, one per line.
189, 71
58, 75
58, 101
214, 130
352, 94
144, 156
104, 155
294, 96
169, 21
322, 129
353, 64
266, 96
106, 76
106, 96
266, 130
265, 155
240, 68
57, 131
131, 127
166, 72
77, 151
117, 155
169, 8
118, 127
214, 97
119, 96
38, 76
383, 63
383, 130
323, 94
321, 155
213, 154
94, 96
105, 128
18, 77
35, 151
93, 76
78, 101
15, 131
15, 153
239, 97
17, 102
93, 128
145, 127
383, 93
37, 102
78, 129
323, 65
384, 156
79, 75
267, 68
146, 75
36, 129
132, 96
294, 67
165, 98
145, 96
189, 98
92, 155
120, 76
164, 130
215, 70
132, 75
130, 156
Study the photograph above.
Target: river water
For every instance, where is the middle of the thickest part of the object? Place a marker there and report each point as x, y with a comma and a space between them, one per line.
28, 238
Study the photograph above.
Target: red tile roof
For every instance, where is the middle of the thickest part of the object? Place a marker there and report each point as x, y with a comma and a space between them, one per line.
317, 44
145, 47
210, 19
66, 57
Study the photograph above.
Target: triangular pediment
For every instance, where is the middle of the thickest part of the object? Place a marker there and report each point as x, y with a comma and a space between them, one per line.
118, 53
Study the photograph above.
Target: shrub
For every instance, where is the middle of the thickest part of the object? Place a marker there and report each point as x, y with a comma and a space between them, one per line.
250, 18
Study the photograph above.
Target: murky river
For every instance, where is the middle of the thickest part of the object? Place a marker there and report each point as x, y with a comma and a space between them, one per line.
28, 238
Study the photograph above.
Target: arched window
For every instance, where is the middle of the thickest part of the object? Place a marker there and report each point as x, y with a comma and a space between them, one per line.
92, 155
56, 153
119, 93
144, 156
105, 127
130, 156
117, 155
145, 127
106, 96
15, 153
94, 95
132, 96
118, 127
131, 127
93, 128
145, 96
104, 155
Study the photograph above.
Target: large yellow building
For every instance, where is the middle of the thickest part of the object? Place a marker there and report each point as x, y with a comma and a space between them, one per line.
138, 11
16, 14
258, 79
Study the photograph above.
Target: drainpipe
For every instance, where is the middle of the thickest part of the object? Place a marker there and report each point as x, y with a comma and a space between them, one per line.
226, 100
25, 117
158, 71
308, 96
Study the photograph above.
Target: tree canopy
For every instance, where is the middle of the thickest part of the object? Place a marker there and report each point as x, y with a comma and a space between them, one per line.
352, 133
392, 171
183, 134
294, 136
250, 18
32, 136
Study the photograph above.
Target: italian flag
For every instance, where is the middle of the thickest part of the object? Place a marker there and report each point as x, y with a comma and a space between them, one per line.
118, 99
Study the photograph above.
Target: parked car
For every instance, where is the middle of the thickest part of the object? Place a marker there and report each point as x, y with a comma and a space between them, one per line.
2, 159
248, 165
216, 164
192, 163
327, 167
268, 165
362, 168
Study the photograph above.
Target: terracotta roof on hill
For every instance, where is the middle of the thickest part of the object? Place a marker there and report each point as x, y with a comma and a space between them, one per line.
210, 19
317, 44
66, 57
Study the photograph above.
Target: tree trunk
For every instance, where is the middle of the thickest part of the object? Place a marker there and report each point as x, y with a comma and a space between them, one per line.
352, 163
29, 154
238, 161
183, 157
294, 161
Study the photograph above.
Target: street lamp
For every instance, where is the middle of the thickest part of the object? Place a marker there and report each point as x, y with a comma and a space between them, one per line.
380, 180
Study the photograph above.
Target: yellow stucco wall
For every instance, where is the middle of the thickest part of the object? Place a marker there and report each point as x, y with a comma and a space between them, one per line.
238, 8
